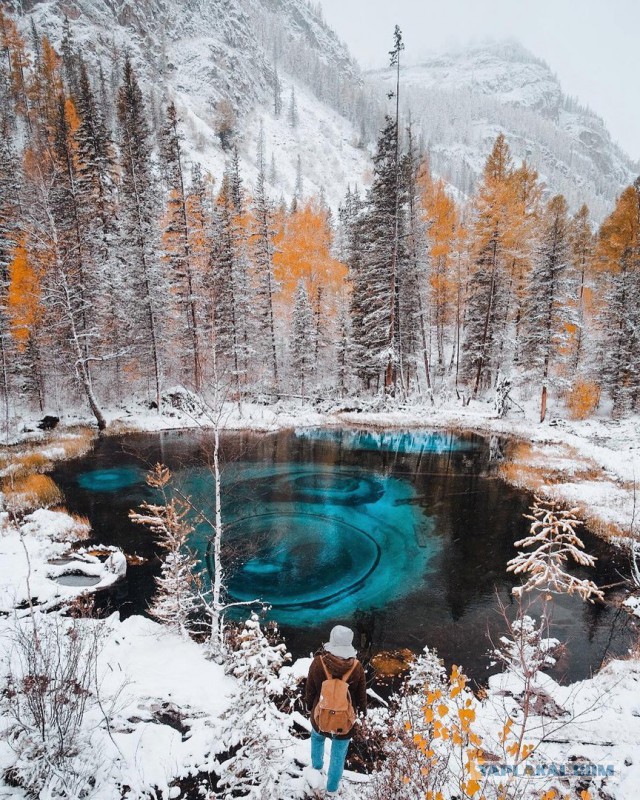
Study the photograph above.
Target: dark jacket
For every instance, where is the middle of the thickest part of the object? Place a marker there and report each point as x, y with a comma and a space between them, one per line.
337, 667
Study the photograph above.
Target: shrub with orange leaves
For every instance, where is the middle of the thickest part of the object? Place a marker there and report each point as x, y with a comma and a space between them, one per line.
583, 399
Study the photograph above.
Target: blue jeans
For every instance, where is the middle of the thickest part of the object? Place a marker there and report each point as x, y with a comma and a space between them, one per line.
339, 749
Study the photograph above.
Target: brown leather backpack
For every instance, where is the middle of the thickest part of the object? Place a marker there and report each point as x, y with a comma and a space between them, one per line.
334, 712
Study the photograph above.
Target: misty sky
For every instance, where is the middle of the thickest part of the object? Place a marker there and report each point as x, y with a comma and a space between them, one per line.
592, 45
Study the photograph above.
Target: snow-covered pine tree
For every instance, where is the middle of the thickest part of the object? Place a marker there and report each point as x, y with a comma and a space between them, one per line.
231, 291
9, 234
176, 599
262, 236
72, 287
254, 730
375, 289
177, 241
96, 186
292, 113
412, 281
138, 231
298, 193
395, 351
618, 258
302, 339
70, 60
277, 93
582, 252
550, 300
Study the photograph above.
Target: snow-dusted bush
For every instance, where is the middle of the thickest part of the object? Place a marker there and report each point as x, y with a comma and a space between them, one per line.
49, 687
254, 729
401, 773
527, 648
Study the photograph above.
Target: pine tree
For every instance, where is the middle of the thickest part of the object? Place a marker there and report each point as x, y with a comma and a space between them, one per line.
412, 281
375, 290
253, 728
277, 93
96, 186
549, 299
138, 228
299, 187
302, 339
292, 114
618, 257
10, 181
263, 249
392, 359
72, 287
582, 252
231, 304
70, 60
178, 256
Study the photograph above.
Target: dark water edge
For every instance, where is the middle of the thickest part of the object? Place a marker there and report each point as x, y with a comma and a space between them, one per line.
431, 503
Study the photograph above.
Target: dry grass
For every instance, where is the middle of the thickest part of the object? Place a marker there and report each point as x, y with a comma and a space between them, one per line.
78, 443
82, 526
539, 469
29, 492
531, 467
29, 464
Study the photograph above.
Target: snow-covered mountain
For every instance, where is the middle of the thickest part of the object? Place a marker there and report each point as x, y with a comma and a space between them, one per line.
225, 57
462, 100
210, 56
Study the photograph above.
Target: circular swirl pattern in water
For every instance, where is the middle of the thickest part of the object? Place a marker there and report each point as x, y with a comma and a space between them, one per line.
317, 543
110, 480
337, 488
298, 560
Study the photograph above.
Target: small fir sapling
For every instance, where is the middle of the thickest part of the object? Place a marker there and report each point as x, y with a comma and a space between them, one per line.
176, 600
556, 544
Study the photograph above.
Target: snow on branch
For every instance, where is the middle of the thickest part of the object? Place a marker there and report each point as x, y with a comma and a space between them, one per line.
556, 544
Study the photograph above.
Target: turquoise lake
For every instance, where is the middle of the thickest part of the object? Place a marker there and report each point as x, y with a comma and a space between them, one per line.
402, 535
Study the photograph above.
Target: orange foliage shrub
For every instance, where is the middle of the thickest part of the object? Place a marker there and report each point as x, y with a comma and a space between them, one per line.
583, 399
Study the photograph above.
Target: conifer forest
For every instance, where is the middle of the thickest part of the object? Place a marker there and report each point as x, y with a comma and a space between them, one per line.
127, 269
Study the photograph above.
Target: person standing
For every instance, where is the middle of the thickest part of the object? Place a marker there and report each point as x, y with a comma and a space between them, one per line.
336, 693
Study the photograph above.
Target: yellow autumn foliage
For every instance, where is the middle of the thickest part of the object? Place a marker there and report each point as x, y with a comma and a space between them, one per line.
583, 399
23, 297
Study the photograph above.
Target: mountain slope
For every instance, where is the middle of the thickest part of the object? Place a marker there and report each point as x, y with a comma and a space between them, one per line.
462, 100
221, 58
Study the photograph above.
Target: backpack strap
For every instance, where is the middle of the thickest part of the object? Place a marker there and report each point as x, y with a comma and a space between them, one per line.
349, 672
324, 666
346, 675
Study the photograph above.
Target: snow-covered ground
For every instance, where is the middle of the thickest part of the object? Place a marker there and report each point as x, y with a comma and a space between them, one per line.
164, 698
38, 564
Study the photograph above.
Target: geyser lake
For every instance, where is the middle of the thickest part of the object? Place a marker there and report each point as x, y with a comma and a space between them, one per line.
404, 536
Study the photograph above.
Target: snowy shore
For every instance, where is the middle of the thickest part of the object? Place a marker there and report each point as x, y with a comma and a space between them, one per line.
165, 699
